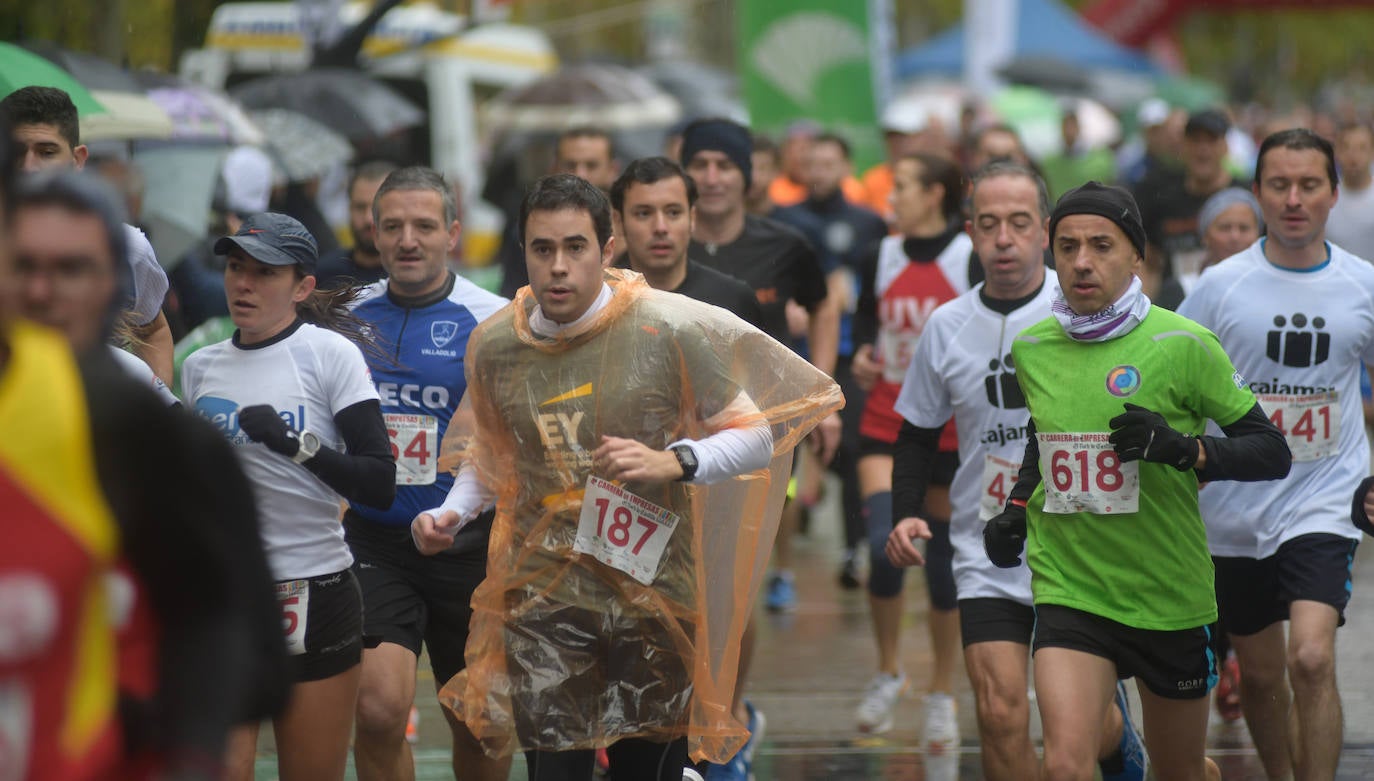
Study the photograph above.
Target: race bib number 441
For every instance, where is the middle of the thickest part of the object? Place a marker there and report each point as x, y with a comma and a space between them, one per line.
1082, 474
622, 530
1311, 424
999, 477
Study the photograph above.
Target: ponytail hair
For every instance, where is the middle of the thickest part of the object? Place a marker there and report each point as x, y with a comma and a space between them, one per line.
331, 309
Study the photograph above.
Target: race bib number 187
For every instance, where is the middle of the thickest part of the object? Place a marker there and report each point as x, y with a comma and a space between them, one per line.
622, 530
1082, 474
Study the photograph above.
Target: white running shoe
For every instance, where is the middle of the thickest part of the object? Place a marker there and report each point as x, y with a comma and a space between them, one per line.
942, 724
874, 713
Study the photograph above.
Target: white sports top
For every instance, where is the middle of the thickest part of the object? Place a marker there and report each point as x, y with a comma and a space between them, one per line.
962, 367
308, 376
1297, 337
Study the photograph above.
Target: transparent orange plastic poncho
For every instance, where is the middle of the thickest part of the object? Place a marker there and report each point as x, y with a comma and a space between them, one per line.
565, 651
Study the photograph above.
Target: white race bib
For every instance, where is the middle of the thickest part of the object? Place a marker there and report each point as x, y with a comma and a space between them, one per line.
414, 445
999, 477
1082, 474
1311, 424
895, 349
293, 596
622, 530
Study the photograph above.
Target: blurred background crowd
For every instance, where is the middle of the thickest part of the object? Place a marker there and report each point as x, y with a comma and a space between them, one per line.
203, 111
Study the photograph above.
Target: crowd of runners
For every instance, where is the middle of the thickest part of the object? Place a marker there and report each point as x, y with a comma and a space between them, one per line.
1112, 407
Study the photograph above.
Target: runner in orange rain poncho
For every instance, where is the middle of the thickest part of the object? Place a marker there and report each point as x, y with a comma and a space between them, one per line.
567, 652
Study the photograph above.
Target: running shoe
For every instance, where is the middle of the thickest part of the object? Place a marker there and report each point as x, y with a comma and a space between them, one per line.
741, 766
849, 570
1228, 690
1130, 754
941, 731
874, 713
782, 595
413, 726
690, 774
941, 767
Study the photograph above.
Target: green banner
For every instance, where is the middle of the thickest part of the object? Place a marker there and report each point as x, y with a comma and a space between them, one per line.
812, 59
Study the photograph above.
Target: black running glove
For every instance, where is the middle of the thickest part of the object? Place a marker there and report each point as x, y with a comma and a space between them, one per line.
1142, 434
262, 424
1004, 536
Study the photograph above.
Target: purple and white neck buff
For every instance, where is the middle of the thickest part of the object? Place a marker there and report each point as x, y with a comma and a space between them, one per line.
1118, 319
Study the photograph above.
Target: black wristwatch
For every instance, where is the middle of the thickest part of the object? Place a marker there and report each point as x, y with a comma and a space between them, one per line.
687, 459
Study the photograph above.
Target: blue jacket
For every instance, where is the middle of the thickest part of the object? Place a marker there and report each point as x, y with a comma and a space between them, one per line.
425, 341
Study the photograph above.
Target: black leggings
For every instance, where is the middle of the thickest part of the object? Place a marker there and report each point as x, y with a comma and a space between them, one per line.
632, 759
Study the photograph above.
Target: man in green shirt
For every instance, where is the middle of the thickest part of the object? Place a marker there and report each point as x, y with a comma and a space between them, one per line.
1119, 393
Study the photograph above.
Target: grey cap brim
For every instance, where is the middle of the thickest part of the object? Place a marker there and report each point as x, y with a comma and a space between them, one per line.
258, 250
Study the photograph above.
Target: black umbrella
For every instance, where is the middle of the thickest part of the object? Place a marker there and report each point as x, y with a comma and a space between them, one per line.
348, 101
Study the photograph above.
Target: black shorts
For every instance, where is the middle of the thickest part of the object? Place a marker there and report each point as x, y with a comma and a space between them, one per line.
412, 598
941, 470
1255, 593
1178, 665
991, 619
331, 641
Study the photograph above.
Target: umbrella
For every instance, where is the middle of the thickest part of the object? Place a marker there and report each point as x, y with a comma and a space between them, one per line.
202, 114
919, 105
1036, 113
351, 102
608, 96
180, 189
301, 147
94, 72
130, 115
22, 68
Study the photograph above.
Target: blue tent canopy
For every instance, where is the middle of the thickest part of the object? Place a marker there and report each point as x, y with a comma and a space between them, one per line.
1046, 29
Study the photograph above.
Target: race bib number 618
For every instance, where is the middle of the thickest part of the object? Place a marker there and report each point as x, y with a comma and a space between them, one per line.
1082, 473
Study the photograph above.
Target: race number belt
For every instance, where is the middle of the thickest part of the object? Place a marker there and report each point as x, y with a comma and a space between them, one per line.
1311, 423
414, 439
1082, 474
622, 530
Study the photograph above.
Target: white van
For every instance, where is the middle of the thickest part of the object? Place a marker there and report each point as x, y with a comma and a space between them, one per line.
432, 56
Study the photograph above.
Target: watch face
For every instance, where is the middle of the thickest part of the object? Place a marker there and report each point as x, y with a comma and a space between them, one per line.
688, 459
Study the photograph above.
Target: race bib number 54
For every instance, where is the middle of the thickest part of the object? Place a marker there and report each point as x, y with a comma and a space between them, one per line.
622, 530
414, 439
1082, 474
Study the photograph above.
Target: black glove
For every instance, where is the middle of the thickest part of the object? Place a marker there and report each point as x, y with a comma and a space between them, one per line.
1142, 434
1004, 537
262, 424
1357, 513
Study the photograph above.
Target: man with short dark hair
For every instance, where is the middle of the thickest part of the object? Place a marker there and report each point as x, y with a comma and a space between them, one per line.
654, 203
46, 129
360, 264
1119, 393
638, 457
1297, 313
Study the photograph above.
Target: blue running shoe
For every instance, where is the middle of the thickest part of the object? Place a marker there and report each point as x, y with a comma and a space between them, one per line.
782, 595
741, 766
1130, 754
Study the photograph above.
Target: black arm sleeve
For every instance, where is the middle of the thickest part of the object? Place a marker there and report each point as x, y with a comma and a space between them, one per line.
1253, 449
366, 473
865, 322
912, 460
1028, 477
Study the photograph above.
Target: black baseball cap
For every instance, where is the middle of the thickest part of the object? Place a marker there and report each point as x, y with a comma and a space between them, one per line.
1208, 120
274, 239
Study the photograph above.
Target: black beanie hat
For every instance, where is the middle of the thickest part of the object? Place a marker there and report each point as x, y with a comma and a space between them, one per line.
720, 135
1103, 200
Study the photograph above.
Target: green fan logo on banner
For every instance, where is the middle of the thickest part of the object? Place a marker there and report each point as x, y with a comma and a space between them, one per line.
810, 59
